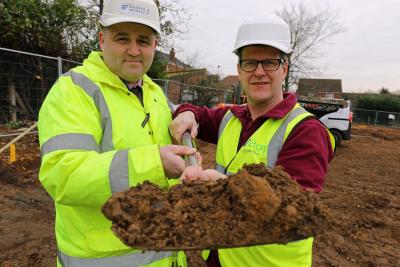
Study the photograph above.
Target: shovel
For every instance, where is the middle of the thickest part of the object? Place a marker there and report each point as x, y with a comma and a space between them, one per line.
190, 160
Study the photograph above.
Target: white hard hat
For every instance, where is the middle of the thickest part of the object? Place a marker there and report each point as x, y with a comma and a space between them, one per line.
138, 11
268, 29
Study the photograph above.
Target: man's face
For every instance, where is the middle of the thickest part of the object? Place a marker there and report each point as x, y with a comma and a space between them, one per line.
262, 87
128, 49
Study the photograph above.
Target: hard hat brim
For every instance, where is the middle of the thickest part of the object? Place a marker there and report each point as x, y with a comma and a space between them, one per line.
106, 22
278, 45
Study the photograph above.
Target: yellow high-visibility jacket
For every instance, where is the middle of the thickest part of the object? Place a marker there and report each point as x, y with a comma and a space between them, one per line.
96, 138
263, 146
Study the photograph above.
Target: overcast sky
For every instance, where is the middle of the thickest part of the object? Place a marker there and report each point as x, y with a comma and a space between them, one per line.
365, 57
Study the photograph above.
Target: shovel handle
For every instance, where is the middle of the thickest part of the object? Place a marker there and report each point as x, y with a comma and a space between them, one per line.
187, 141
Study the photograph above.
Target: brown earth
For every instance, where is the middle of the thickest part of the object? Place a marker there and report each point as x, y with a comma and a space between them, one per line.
362, 192
256, 206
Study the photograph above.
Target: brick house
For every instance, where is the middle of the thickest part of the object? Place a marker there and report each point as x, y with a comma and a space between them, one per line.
326, 88
231, 83
173, 64
178, 70
181, 74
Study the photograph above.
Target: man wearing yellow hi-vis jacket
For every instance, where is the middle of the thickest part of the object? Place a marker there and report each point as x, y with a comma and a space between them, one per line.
271, 128
103, 127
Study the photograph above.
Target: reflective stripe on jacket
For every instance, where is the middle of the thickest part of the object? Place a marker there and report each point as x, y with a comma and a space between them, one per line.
263, 146
95, 141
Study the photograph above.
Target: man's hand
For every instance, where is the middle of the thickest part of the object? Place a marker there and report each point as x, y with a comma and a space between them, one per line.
184, 121
196, 173
172, 161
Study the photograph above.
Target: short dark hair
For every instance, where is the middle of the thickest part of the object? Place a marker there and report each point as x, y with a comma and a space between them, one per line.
239, 53
104, 28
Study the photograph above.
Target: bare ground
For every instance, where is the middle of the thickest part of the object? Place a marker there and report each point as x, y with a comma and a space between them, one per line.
362, 192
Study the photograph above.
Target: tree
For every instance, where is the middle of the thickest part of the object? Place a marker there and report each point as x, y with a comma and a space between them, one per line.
174, 18
48, 27
382, 102
68, 28
205, 94
157, 69
54, 28
384, 91
308, 30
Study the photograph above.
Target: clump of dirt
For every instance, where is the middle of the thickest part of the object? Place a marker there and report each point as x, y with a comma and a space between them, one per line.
22, 173
256, 206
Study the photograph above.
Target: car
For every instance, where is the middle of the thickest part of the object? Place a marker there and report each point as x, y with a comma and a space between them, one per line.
335, 114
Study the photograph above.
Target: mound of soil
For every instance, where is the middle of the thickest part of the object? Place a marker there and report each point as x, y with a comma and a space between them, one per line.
256, 206
379, 133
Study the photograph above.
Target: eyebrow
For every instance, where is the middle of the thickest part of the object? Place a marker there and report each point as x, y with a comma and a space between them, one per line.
144, 37
125, 34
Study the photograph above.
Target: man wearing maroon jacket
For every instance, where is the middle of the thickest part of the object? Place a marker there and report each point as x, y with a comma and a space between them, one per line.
271, 128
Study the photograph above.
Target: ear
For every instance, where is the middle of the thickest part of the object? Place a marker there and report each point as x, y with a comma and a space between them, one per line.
156, 43
285, 68
239, 70
101, 39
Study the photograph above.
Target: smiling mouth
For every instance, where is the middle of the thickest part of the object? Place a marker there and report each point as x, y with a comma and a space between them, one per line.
259, 83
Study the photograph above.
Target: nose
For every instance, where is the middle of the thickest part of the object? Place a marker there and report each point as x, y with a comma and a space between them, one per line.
133, 50
259, 71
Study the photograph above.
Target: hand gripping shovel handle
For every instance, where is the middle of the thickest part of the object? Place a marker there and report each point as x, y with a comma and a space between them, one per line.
187, 141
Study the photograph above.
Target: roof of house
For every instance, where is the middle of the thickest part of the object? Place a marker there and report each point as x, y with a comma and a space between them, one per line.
167, 58
172, 74
228, 81
320, 85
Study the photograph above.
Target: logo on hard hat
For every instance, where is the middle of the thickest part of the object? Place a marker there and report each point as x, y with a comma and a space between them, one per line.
131, 9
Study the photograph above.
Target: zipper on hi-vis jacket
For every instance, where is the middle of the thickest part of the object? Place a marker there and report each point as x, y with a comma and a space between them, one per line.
146, 119
175, 259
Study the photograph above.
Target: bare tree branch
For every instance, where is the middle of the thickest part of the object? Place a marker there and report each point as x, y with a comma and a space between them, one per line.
174, 17
309, 31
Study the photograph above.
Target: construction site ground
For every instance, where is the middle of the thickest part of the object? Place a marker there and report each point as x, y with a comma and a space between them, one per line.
362, 192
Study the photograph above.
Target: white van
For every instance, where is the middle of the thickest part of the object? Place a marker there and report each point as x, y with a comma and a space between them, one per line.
335, 114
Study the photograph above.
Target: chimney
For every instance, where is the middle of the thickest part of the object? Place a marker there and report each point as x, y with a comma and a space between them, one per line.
172, 55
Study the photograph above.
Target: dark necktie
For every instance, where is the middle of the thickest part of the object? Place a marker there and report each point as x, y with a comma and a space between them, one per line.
137, 90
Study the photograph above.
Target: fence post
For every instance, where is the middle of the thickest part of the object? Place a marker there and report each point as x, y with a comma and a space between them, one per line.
225, 96
59, 61
376, 117
166, 87
13, 102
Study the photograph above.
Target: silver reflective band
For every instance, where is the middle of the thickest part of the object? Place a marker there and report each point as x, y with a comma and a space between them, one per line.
119, 173
276, 143
70, 141
220, 168
224, 122
106, 143
171, 105
131, 260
